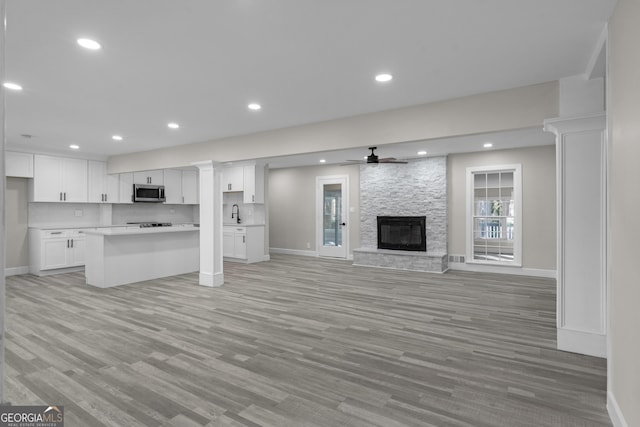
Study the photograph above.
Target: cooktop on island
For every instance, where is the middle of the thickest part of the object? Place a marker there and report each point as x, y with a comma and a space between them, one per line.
151, 224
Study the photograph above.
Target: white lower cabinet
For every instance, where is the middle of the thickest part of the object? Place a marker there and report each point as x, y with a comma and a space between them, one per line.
243, 243
50, 250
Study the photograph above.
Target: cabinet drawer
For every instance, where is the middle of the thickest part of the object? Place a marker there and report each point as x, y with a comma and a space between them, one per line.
52, 234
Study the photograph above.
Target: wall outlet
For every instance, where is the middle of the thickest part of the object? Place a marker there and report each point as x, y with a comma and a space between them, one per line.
78, 212
308, 245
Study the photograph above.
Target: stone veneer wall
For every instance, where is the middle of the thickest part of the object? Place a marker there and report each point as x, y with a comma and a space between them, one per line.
414, 189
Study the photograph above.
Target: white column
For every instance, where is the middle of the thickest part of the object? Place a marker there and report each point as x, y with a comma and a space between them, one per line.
581, 172
211, 266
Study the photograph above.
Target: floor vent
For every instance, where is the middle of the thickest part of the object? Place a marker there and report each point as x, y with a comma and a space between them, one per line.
456, 258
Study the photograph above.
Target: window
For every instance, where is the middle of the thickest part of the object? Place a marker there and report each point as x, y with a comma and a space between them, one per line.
494, 215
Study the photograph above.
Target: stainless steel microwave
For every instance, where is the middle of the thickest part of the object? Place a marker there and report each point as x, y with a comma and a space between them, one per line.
148, 193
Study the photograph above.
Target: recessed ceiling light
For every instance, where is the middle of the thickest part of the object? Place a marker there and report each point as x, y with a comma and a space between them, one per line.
254, 106
323, 161
116, 138
89, 44
487, 145
173, 125
422, 153
74, 146
384, 77
12, 86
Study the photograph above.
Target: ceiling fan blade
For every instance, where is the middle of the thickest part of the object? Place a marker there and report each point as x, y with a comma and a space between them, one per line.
392, 160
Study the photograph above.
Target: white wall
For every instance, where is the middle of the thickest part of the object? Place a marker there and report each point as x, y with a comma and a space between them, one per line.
538, 201
624, 150
16, 211
292, 201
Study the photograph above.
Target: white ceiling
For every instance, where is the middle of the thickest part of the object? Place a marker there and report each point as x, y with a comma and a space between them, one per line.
200, 62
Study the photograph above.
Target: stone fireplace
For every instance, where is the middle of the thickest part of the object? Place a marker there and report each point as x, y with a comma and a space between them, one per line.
415, 189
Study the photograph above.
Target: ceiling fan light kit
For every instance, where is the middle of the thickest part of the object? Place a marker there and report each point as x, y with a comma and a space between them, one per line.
374, 159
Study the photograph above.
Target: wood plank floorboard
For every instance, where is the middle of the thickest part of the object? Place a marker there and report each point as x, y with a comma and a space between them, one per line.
299, 342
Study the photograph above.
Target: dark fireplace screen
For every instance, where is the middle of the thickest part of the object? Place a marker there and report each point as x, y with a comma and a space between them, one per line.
405, 233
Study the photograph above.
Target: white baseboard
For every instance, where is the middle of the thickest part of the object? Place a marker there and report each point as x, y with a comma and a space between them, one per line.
617, 419
298, 252
519, 271
14, 271
588, 343
293, 252
211, 280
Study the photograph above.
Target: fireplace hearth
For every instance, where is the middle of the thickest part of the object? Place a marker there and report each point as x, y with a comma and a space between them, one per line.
403, 233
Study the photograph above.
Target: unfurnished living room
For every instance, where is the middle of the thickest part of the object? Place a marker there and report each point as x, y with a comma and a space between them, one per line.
303, 213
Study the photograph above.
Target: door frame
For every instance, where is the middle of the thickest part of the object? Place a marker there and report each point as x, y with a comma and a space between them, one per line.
320, 182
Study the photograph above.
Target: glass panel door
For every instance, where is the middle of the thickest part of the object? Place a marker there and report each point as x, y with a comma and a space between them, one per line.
331, 227
332, 215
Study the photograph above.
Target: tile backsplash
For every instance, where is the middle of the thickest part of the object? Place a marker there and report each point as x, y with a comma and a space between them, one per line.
92, 214
176, 214
250, 213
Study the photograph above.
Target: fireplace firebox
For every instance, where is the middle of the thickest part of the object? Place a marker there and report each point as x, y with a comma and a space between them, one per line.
404, 233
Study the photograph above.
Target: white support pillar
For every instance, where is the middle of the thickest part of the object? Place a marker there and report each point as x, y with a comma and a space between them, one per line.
581, 172
211, 265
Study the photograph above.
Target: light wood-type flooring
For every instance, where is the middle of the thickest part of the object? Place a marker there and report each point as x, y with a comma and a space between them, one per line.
298, 342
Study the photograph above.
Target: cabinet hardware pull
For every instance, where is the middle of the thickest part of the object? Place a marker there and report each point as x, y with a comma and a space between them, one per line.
106, 197
243, 239
61, 195
71, 242
67, 243
253, 198
65, 196
56, 232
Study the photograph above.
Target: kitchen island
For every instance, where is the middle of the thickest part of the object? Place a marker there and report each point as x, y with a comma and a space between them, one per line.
121, 255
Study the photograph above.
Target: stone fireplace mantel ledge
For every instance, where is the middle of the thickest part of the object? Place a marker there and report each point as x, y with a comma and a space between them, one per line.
396, 252
434, 262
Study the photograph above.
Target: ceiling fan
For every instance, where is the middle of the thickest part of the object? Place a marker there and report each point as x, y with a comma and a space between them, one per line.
373, 159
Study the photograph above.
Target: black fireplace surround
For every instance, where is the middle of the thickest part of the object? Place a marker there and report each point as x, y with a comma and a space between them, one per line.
403, 233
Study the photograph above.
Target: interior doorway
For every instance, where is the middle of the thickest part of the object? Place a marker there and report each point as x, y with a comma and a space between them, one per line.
332, 207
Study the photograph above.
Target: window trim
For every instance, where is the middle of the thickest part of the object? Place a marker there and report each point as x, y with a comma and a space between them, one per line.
517, 188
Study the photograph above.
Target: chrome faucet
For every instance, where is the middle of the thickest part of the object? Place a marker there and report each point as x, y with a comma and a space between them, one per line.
235, 214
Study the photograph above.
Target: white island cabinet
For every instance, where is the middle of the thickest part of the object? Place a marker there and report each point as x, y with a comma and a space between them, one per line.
118, 256
54, 251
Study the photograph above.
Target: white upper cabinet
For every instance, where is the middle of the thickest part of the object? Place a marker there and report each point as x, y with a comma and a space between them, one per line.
233, 179
103, 188
253, 184
249, 179
18, 164
181, 187
126, 187
190, 191
155, 177
173, 186
59, 179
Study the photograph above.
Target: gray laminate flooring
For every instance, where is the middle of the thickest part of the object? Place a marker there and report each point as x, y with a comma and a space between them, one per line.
299, 342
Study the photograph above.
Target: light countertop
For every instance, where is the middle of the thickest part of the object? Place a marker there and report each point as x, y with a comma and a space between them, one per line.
128, 230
